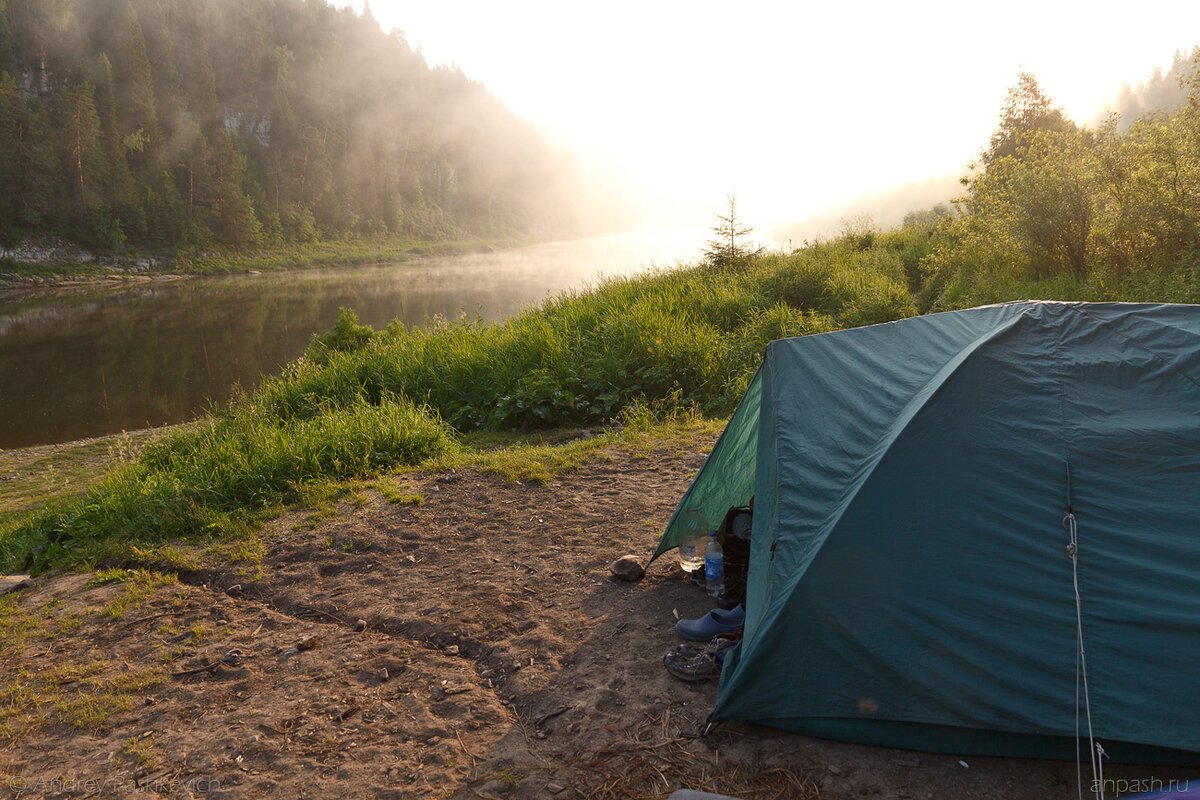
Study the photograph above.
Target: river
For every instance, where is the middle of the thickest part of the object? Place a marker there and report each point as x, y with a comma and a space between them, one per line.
77, 363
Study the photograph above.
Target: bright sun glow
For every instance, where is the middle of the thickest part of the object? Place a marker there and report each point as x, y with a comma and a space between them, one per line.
799, 108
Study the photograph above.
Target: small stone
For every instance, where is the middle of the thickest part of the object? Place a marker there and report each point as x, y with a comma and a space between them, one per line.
452, 650
834, 770
627, 568
12, 583
555, 788
360, 626
307, 643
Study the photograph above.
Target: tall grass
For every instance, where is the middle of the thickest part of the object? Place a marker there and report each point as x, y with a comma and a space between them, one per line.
361, 401
222, 475
695, 334
1179, 283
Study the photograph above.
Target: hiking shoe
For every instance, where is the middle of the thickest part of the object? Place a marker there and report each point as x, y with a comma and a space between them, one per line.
714, 623
702, 667
716, 648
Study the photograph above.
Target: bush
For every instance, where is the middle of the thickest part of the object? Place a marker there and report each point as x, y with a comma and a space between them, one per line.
345, 335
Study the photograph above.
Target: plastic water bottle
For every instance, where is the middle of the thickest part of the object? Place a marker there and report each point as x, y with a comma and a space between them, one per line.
691, 539
714, 566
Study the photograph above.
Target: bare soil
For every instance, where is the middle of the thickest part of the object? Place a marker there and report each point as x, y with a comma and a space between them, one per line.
472, 646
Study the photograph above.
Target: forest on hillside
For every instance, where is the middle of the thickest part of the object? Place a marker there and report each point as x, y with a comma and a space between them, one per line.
165, 124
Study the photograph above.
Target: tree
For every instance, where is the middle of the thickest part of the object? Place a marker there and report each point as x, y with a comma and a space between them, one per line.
192, 123
120, 191
1055, 196
28, 168
1026, 111
729, 246
8, 53
135, 81
81, 148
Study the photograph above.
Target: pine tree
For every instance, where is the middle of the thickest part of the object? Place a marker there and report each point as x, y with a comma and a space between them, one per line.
730, 247
234, 216
8, 50
80, 148
1026, 111
136, 96
14, 175
119, 190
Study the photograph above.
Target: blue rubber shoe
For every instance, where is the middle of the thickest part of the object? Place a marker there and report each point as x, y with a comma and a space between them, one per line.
714, 623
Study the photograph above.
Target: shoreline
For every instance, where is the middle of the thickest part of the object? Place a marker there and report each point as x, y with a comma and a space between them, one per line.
32, 476
67, 267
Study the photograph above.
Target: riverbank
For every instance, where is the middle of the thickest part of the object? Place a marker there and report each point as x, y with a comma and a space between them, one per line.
657, 346
33, 477
59, 264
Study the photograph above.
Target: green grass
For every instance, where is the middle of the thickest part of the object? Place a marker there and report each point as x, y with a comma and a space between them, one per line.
139, 586
673, 347
80, 693
1178, 285
531, 459
34, 476
331, 253
694, 335
219, 478
54, 269
661, 355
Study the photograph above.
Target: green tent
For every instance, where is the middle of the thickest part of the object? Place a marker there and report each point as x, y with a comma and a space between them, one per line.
909, 581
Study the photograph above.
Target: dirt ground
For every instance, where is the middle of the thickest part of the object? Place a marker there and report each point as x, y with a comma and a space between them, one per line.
473, 646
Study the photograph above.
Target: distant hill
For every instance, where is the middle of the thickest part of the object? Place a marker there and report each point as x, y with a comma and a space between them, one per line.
242, 122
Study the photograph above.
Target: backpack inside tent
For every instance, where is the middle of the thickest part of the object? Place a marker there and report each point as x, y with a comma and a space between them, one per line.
917, 486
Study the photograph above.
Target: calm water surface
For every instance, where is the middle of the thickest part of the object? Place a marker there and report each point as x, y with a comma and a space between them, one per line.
79, 363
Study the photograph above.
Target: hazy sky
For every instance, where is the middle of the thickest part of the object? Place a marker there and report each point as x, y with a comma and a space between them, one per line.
798, 106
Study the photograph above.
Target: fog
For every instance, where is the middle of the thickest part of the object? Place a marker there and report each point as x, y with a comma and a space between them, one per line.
262, 123
223, 122
803, 109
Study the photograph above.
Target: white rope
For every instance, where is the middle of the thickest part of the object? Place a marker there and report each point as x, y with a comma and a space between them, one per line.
1095, 751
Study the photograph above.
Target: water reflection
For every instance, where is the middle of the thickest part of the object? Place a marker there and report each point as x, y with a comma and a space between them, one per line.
88, 362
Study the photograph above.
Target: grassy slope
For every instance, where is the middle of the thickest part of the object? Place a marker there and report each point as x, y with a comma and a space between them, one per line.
31, 477
363, 403
655, 352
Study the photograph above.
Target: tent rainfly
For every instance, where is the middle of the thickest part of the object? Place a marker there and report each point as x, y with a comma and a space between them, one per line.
917, 487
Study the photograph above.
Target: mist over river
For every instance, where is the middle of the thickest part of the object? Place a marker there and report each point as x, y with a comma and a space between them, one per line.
76, 363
